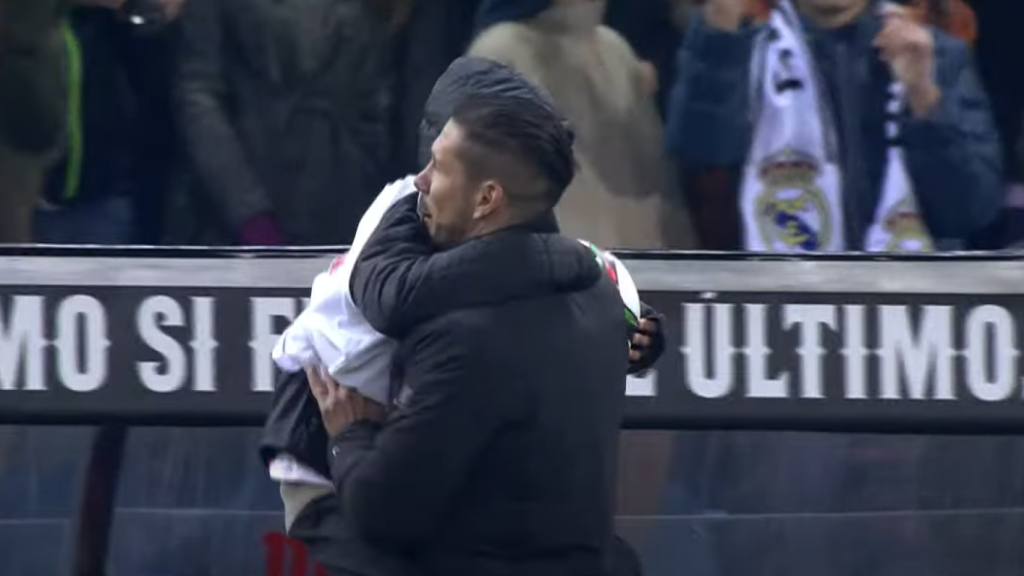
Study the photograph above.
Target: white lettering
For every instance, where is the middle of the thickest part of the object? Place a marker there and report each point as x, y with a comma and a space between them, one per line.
82, 363
263, 313
809, 318
1001, 354
759, 383
204, 344
696, 354
22, 340
169, 374
645, 384
855, 352
930, 353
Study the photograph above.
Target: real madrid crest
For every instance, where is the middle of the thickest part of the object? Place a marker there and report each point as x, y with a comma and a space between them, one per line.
792, 211
906, 231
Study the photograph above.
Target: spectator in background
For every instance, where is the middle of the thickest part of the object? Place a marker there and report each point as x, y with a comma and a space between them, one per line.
437, 32
150, 54
31, 108
89, 191
950, 148
711, 190
998, 47
958, 19
653, 28
954, 17
286, 115
625, 194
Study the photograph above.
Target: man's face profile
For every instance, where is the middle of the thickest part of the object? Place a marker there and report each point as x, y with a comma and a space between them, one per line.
448, 197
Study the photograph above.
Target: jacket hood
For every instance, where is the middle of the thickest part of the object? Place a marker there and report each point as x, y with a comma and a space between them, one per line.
493, 12
559, 17
467, 76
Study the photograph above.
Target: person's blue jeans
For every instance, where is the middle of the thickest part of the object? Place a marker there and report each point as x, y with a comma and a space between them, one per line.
107, 221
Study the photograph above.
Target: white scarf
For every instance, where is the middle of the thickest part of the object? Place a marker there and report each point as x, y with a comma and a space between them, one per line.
332, 333
791, 199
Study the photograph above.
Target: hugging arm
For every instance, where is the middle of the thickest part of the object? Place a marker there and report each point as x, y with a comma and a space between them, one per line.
400, 280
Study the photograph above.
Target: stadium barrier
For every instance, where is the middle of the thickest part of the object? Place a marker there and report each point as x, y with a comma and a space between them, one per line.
121, 337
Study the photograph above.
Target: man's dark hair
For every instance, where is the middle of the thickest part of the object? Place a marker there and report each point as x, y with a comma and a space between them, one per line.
523, 143
465, 77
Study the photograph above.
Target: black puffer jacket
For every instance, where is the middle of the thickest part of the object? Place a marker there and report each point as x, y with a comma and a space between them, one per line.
424, 291
500, 455
431, 285
522, 274
466, 476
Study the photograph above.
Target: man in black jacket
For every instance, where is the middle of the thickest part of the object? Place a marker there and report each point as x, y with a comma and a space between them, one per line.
499, 456
421, 289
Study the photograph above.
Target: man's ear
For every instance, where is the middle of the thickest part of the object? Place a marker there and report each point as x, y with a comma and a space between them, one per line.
489, 197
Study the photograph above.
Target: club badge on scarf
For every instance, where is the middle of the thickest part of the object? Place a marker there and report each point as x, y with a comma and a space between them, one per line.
791, 196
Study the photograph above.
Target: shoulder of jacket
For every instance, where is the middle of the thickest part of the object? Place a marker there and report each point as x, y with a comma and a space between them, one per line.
612, 39
952, 55
500, 39
947, 44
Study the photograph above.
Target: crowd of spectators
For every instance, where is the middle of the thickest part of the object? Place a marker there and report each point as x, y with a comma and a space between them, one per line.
275, 122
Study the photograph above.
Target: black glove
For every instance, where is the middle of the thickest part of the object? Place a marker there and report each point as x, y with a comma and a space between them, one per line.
651, 339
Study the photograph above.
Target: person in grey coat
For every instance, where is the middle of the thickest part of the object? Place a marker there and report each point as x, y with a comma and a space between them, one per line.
286, 112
